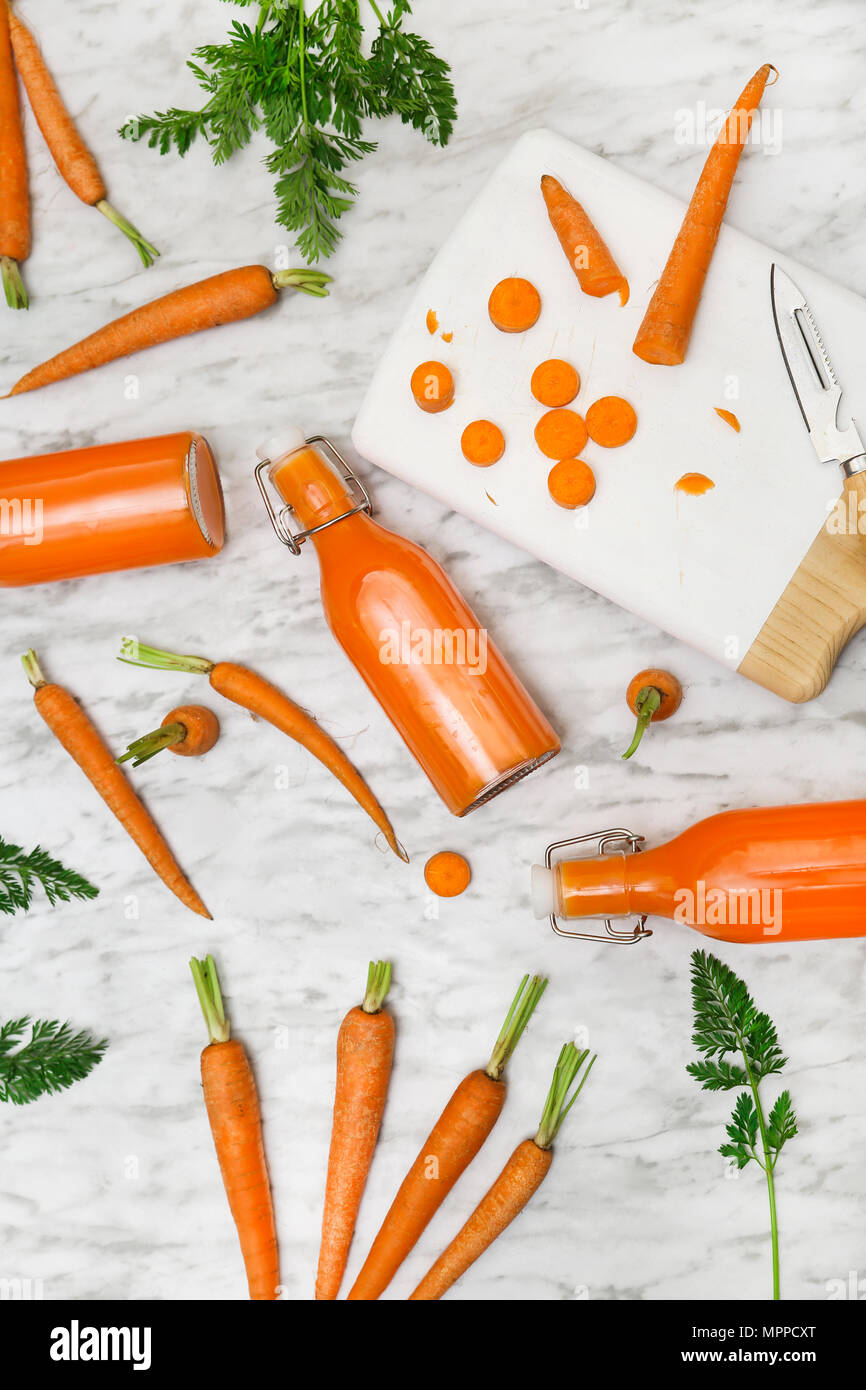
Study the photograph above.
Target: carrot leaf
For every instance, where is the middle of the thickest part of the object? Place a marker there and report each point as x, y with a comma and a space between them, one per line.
52, 1059
559, 1101
522, 1008
20, 872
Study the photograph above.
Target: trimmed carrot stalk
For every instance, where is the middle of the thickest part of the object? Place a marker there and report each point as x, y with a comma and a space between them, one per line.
663, 337
14, 192
514, 305
74, 161
455, 1139
365, 1051
78, 735
519, 1180
190, 731
226, 298
252, 692
586, 251
652, 695
232, 1105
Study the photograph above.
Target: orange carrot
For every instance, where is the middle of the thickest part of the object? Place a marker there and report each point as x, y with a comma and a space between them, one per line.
365, 1051
483, 443
571, 483
236, 294
432, 387
232, 1105
514, 305
652, 695
611, 421
519, 1180
74, 730
663, 337
447, 874
554, 382
729, 417
14, 194
243, 687
586, 251
561, 434
189, 730
74, 161
450, 1147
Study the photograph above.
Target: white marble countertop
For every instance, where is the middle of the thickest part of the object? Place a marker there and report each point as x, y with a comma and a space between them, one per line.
111, 1189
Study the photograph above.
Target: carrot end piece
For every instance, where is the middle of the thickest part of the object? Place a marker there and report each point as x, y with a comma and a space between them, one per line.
624, 293
13, 285
146, 251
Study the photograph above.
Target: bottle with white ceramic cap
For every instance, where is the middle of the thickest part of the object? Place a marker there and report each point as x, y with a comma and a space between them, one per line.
447, 689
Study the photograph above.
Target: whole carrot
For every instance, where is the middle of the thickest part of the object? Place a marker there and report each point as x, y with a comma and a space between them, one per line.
455, 1139
586, 250
82, 740
521, 1177
225, 298
72, 157
14, 194
663, 337
365, 1051
243, 687
189, 730
232, 1105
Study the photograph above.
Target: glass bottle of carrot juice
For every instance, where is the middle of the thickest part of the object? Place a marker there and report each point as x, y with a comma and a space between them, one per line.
446, 688
777, 873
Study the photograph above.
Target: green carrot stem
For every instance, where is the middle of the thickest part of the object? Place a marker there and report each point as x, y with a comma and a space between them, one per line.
146, 251
207, 987
141, 750
648, 701
378, 984
521, 1011
13, 285
160, 660
32, 669
306, 280
558, 1102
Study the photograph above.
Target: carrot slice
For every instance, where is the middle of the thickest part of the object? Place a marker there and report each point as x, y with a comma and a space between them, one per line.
514, 305
611, 421
694, 484
482, 443
571, 483
555, 382
431, 321
729, 417
432, 386
447, 874
561, 434
597, 272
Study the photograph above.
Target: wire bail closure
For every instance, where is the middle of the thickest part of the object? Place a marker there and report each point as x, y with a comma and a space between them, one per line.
279, 518
604, 841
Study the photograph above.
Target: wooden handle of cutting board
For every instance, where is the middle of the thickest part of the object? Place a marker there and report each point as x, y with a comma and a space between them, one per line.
822, 607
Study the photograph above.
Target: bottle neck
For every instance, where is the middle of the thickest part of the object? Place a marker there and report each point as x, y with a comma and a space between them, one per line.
592, 887
310, 484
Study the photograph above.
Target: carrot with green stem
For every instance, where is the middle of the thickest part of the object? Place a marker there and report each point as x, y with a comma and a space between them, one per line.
252, 692
74, 160
518, 1182
14, 192
226, 298
190, 731
82, 740
365, 1051
232, 1105
455, 1139
663, 337
652, 695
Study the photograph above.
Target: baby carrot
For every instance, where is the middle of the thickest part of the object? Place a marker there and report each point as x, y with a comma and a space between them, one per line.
232, 1105
597, 272
236, 294
74, 161
652, 695
365, 1051
432, 387
483, 443
554, 382
571, 483
83, 742
561, 434
243, 687
189, 731
514, 305
611, 421
519, 1180
663, 336
450, 1147
14, 194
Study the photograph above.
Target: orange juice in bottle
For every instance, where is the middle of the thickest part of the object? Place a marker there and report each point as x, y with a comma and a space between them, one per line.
445, 686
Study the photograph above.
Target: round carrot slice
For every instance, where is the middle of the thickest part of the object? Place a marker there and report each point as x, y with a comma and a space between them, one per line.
571, 483
514, 305
555, 382
561, 434
432, 387
611, 421
447, 874
482, 443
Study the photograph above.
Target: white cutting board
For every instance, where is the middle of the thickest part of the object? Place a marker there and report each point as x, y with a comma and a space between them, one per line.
707, 569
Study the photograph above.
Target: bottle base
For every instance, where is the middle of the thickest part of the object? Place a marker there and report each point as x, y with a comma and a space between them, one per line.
508, 779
